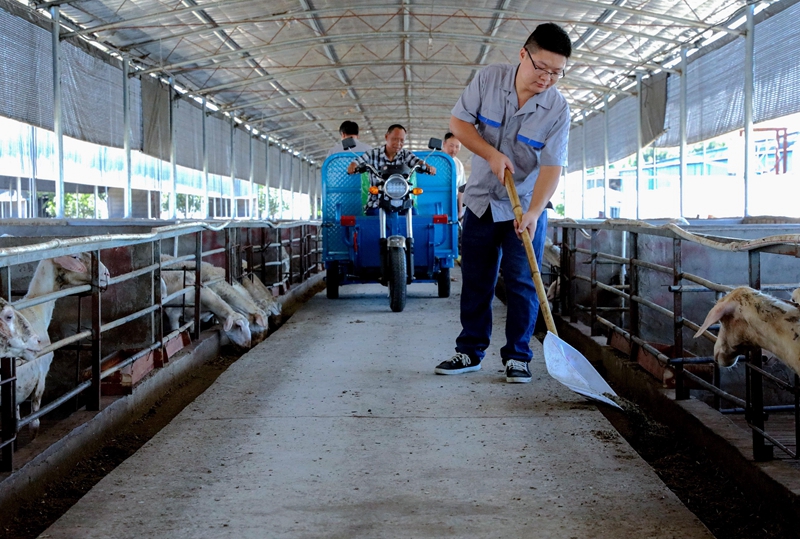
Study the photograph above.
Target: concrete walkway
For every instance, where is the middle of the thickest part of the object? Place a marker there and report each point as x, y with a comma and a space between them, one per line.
336, 427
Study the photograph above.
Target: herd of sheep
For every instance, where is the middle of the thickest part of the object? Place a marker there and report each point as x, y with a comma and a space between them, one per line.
242, 309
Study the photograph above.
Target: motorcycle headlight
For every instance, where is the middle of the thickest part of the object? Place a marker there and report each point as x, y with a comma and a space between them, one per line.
396, 186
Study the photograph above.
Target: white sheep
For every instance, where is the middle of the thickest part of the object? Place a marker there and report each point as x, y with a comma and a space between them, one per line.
234, 324
51, 275
796, 296
235, 295
17, 337
262, 295
750, 318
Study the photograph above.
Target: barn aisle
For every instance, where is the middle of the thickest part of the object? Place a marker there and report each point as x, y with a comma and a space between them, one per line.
337, 427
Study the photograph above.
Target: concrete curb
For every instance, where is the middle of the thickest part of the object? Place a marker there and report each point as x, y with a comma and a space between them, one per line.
776, 481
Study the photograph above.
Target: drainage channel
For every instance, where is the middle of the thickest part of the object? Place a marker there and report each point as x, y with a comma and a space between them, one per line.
704, 487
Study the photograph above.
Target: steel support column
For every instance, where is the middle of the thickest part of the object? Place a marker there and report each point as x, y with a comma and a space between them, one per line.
234, 210
126, 137
583, 168
58, 124
749, 157
252, 179
684, 113
173, 197
605, 157
206, 199
639, 142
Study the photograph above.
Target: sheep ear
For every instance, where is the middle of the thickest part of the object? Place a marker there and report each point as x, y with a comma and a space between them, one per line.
70, 263
228, 323
796, 295
260, 320
719, 310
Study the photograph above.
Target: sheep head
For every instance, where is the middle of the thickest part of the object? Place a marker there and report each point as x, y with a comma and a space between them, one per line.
17, 337
748, 319
237, 329
75, 270
728, 347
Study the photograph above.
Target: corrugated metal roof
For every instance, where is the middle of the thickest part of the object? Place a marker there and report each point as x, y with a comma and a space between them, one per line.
297, 69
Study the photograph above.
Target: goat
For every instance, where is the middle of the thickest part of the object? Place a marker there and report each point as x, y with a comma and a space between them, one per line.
234, 324
750, 318
262, 295
235, 295
17, 337
51, 275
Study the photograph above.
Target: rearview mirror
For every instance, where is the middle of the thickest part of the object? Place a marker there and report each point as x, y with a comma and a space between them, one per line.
349, 143
435, 144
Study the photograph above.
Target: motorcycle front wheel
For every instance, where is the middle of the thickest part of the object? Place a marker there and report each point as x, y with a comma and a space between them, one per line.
397, 279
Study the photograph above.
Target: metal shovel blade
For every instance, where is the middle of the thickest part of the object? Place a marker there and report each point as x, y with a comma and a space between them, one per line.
569, 367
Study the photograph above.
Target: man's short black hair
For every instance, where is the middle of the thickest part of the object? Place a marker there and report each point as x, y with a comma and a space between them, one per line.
550, 37
348, 128
448, 136
395, 126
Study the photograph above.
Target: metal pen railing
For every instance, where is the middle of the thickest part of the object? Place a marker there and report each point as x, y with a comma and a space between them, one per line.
302, 239
632, 296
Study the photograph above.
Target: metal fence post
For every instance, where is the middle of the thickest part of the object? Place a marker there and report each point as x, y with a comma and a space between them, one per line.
291, 256
594, 290
754, 379
93, 398
796, 410
8, 412
198, 280
303, 250
633, 319
158, 320
264, 244
681, 391
570, 276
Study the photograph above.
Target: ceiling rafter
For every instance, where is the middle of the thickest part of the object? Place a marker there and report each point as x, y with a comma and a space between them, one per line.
341, 39
317, 69
377, 103
154, 17
420, 85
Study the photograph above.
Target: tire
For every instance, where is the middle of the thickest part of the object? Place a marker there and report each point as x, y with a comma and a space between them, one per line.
443, 282
397, 279
332, 280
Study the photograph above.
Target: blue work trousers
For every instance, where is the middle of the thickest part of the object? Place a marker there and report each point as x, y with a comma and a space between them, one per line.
486, 247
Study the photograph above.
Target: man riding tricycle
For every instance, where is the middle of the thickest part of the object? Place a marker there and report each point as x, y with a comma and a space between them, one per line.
389, 223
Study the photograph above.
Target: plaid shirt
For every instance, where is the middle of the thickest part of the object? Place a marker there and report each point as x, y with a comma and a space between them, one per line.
377, 158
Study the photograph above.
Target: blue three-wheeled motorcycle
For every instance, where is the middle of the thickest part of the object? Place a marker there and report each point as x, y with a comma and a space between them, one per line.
414, 237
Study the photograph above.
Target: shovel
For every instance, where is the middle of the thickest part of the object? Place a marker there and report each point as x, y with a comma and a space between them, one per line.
564, 363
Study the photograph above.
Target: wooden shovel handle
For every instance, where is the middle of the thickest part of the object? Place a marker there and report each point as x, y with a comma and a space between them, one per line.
526, 241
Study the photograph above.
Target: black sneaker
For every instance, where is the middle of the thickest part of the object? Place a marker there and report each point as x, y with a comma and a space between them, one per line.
458, 364
517, 372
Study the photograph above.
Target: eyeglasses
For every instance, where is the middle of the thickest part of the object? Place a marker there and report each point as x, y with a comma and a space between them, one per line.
553, 76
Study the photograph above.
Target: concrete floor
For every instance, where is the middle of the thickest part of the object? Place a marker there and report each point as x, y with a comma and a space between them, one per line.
337, 427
